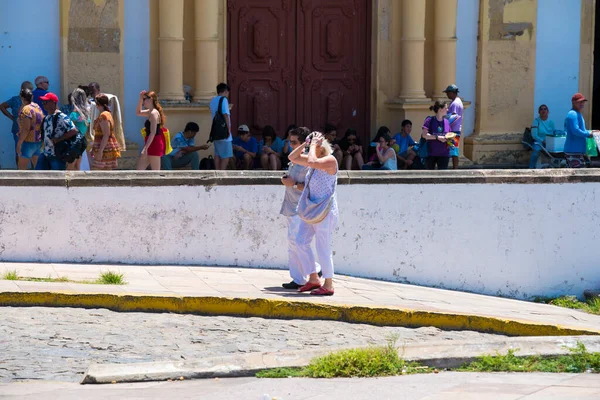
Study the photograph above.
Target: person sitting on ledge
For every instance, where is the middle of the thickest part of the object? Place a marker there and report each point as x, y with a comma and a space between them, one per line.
540, 127
386, 156
184, 150
331, 137
245, 147
270, 149
352, 151
405, 143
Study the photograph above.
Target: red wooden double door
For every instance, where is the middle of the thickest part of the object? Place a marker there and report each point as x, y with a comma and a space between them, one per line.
299, 61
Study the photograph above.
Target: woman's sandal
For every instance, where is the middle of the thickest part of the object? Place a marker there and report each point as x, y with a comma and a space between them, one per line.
322, 291
309, 286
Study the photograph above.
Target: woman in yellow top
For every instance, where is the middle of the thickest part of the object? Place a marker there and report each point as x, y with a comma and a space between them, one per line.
105, 151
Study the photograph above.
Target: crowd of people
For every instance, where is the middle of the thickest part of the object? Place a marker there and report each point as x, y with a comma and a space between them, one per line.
38, 124
439, 142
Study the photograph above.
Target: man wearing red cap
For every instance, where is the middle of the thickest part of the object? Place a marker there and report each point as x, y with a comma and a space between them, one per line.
56, 127
577, 134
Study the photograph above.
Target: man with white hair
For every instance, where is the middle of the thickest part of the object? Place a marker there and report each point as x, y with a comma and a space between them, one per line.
41, 89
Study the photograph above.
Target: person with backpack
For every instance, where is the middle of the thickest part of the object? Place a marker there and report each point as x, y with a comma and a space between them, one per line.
220, 132
435, 129
57, 127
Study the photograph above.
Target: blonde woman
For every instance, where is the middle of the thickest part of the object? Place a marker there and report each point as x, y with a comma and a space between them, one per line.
320, 190
155, 141
80, 116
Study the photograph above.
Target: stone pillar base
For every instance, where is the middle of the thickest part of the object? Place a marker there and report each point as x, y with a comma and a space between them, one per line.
415, 110
496, 149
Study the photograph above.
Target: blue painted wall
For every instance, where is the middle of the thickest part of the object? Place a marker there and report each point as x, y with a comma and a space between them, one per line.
467, 26
557, 56
137, 63
29, 46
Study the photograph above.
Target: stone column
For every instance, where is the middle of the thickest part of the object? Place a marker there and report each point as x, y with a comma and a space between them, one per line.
445, 46
207, 48
413, 50
171, 49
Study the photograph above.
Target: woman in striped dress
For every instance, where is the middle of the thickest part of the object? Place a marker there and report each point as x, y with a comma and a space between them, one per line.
106, 148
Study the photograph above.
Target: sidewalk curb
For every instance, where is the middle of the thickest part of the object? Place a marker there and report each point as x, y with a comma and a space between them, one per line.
439, 355
268, 308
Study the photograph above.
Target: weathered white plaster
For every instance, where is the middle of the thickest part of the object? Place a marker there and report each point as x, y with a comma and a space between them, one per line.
517, 240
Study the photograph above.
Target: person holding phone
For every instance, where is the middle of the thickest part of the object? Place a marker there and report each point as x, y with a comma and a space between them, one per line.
185, 151
293, 180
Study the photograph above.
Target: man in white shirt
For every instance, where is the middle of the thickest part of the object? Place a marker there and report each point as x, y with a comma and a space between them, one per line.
223, 148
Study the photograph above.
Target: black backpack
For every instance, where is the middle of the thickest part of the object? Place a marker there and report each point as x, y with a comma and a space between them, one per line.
219, 130
207, 163
71, 149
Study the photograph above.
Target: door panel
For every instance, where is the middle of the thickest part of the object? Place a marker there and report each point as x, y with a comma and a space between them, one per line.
261, 62
333, 57
299, 61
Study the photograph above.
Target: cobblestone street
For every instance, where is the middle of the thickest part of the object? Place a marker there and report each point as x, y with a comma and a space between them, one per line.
60, 343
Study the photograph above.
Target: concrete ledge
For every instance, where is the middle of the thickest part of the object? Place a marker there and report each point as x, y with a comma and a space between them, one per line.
279, 309
435, 355
242, 178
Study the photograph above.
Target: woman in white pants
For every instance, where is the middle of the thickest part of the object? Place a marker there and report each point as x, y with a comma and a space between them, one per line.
320, 188
293, 181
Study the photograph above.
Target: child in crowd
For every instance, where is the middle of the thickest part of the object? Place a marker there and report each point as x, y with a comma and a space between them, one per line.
245, 148
403, 144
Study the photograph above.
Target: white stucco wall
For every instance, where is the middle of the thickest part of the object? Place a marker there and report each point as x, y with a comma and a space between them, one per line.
557, 56
513, 240
29, 47
467, 30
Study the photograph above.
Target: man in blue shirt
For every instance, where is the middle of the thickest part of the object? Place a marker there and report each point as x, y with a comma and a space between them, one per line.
41, 89
184, 150
403, 144
14, 103
245, 148
577, 134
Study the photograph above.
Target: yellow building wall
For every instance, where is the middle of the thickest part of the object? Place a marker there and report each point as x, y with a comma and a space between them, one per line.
92, 45
505, 81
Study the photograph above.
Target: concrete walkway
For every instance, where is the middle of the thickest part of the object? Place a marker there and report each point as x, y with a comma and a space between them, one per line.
443, 386
259, 293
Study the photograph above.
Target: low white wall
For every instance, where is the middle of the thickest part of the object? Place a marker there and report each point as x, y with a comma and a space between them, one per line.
516, 240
